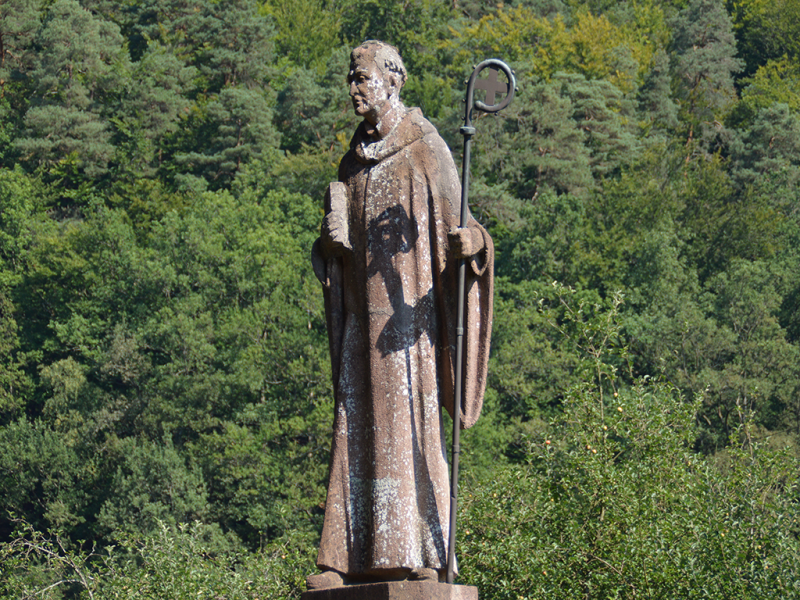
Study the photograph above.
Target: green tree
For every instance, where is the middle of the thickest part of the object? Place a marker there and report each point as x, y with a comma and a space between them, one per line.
601, 111
307, 31
165, 21
74, 78
20, 20
388, 21
756, 374
531, 367
561, 135
12, 378
42, 476
765, 30
542, 245
234, 128
207, 326
315, 111
704, 61
152, 486
778, 81
231, 41
655, 97
536, 146
611, 500
153, 109
770, 145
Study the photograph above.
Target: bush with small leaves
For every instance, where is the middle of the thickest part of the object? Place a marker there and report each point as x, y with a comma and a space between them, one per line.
612, 501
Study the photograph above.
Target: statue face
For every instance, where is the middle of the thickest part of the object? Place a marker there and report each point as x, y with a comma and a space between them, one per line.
369, 90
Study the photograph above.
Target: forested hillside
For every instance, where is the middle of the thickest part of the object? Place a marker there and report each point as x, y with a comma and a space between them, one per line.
165, 399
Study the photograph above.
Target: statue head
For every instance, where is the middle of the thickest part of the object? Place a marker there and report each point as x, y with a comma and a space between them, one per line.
376, 76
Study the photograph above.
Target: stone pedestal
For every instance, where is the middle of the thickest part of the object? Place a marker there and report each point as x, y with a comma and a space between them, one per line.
396, 590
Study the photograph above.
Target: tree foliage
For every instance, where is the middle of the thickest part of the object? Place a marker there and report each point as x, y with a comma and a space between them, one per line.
165, 400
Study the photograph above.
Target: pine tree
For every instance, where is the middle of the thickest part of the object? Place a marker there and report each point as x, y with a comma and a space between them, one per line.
234, 128
153, 108
19, 20
769, 146
655, 96
704, 61
76, 73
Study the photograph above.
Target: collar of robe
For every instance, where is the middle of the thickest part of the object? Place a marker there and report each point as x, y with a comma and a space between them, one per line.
370, 151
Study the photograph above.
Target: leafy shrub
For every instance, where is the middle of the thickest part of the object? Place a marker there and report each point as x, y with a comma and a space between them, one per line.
612, 502
173, 563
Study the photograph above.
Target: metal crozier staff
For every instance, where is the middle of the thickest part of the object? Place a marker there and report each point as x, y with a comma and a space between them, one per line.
492, 86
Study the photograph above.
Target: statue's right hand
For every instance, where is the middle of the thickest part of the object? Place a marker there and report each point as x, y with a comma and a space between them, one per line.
334, 235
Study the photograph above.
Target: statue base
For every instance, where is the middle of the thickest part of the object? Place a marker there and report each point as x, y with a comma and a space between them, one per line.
395, 590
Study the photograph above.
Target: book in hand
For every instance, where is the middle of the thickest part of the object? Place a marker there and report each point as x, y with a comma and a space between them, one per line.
336, 225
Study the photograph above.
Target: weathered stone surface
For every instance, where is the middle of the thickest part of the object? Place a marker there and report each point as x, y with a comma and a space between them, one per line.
387, 260
396, 590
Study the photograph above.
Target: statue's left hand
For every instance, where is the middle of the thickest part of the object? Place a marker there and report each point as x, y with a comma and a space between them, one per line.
464, 242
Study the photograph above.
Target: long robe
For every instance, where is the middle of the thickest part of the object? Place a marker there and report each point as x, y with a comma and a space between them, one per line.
391, 313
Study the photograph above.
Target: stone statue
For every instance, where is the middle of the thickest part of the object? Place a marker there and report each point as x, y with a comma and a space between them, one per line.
388, 257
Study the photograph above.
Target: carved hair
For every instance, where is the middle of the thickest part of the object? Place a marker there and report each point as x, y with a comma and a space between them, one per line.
386, 57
